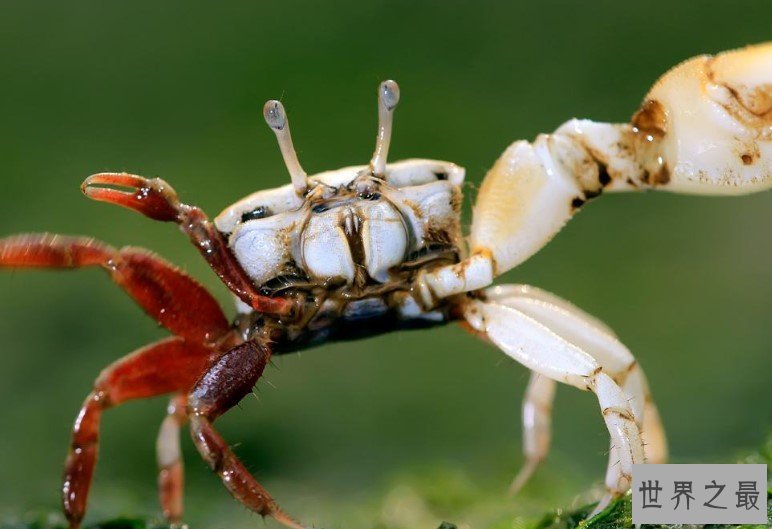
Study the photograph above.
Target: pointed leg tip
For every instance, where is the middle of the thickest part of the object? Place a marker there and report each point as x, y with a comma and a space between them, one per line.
515, 487
73, 522
286, 520
604, 502
523, 476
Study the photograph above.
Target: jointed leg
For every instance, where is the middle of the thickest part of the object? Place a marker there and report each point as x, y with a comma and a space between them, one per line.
626, 445
532, 343
597, 340
171, 365
654, 438
170, 466
222, 387
635, 387
634, 384
537, 411
537, 419
171, 297
156, 199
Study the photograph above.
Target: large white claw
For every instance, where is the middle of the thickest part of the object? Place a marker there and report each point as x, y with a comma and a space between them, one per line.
710, 122
704, 128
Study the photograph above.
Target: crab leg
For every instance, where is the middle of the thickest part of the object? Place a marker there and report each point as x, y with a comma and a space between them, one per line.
550, 354
171, 365
156, 199
655, 443
171, 297
537, 427
170, 467
229, 380
599, 341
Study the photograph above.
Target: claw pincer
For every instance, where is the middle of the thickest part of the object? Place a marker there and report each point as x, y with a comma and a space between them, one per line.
153, 198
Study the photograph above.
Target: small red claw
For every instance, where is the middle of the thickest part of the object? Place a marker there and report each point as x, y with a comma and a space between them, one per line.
153, 198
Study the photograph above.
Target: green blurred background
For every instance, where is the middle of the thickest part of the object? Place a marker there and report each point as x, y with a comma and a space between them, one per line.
340, 433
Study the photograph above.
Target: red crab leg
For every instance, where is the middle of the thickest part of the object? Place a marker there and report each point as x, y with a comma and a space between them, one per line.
171, 365
170, 468
174, 299
222, 387
156, 199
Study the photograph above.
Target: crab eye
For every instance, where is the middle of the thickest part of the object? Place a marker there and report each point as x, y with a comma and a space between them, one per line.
259, 212
370, 195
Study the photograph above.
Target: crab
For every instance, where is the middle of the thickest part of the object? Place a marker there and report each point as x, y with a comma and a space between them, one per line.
377, 248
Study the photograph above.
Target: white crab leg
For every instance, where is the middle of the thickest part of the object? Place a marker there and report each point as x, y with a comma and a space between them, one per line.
543, 351
704, 128
598, 340
653, 432
169, 459
537, 427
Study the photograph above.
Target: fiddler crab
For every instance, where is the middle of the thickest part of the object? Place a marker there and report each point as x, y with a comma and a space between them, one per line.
376, 248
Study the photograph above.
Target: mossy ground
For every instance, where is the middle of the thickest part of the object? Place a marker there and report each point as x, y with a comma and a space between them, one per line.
618, 515
411, 504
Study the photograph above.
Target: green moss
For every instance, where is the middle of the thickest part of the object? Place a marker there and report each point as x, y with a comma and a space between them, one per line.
418, 499
619, 513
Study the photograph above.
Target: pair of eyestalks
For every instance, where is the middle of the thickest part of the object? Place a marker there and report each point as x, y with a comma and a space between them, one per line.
276, 117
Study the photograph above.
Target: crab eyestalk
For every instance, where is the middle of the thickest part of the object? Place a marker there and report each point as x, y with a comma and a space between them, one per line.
276, 117
388, 97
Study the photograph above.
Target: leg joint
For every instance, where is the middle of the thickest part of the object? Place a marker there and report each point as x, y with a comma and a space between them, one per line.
621, 412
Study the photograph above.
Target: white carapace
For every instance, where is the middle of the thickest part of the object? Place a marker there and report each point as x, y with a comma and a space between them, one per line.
364, 231
381, 230
351, 225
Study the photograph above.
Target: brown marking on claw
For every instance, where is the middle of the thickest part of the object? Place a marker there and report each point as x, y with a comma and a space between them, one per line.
651, 118
751, 154
750, 104
660, 177
577, 203
757, 100
604, 178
